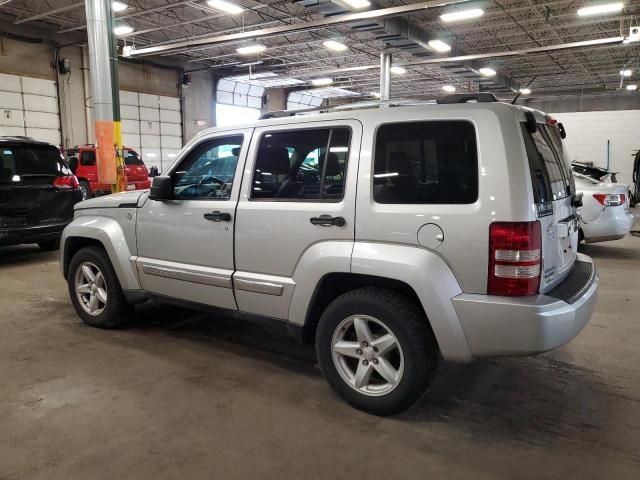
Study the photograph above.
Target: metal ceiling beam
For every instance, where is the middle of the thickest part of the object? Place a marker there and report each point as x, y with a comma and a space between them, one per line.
49, 13
297, 27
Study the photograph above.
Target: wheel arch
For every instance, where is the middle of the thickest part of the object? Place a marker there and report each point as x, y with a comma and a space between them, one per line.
103, 232
420, 274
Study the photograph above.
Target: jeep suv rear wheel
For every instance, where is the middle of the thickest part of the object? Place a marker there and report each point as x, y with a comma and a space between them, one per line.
94, 289
376, 350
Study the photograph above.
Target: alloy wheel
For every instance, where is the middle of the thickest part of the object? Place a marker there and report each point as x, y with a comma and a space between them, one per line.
367, 355
91, 289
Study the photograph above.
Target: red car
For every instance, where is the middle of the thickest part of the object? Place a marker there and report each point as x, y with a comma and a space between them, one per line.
82, 161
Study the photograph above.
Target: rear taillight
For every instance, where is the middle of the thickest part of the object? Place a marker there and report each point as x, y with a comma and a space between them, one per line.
515, 258
66, 181
611, 199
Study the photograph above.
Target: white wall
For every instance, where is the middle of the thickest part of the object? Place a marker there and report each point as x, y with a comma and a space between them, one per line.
588, 132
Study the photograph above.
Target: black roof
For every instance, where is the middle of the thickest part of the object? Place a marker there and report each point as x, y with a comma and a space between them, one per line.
23, 140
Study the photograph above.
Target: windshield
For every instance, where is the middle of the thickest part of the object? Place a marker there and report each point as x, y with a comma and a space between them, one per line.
132, 158
23, 161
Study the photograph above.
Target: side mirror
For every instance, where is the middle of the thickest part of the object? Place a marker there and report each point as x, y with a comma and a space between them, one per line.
161, 189
153, 171
532, 125
563, 132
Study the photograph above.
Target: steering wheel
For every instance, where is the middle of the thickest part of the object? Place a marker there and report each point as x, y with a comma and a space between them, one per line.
224, 187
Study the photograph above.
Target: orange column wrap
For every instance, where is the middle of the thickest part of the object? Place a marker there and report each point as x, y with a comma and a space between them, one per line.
105, 140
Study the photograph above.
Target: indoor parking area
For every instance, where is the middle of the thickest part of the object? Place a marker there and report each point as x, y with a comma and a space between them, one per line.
319, 238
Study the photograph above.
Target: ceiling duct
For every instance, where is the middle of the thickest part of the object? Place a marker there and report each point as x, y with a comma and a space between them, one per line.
400, 33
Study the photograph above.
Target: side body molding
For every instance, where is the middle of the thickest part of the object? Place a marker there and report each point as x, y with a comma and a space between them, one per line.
109, 233
431, 279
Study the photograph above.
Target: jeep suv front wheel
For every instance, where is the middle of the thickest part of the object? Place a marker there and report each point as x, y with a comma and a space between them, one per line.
94, 289
376, 350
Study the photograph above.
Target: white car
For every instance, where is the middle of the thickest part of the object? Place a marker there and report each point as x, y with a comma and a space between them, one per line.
605, 211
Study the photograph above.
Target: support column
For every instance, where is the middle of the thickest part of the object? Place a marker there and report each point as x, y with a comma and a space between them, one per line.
385, 75
104, 90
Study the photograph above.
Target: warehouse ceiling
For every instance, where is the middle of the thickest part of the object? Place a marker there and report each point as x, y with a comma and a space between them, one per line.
505, 26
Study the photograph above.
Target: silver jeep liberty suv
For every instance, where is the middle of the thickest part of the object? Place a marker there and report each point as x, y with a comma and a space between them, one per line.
391, 234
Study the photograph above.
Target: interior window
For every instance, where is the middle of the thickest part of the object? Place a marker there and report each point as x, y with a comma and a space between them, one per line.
208, 171
302, 165
426, 162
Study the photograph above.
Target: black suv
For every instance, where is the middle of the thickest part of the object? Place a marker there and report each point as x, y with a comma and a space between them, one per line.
37, 193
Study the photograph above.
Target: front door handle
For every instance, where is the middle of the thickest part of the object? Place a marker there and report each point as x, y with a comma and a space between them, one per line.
218, 216
328, 220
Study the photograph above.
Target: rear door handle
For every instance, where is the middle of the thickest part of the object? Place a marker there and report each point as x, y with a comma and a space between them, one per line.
328, 220
218, 216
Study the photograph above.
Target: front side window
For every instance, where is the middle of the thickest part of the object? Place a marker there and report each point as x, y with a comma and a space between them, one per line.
302, 165
208, 171
431, 162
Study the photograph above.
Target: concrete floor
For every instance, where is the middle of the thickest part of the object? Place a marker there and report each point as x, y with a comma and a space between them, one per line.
183, 395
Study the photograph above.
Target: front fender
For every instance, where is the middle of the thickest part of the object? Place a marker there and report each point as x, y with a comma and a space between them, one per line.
111, 236
431, 279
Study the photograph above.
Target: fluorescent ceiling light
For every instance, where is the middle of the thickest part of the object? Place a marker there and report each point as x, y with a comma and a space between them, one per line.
487, 72
632, 87
119, 6
251, 49
335, 46
626, 73
525, 91
375, 94
226, 7
461, 15
354, 4
449, 88
601, 9
320, 82
398, 70
123, 29
439, 46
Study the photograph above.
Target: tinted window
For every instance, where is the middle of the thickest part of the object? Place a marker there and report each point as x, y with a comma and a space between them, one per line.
426, 162
20, 162
302, 165
132, 158
208, 170
88, 158
550, 174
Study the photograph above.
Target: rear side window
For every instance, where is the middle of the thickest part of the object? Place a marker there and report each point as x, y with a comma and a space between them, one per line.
299, 165
550, 175
426, 163
19, 162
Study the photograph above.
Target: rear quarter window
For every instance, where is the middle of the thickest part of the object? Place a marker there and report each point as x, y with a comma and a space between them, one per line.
430, 162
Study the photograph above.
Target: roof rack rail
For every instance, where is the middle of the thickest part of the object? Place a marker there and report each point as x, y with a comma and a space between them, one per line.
480, 97
396, 102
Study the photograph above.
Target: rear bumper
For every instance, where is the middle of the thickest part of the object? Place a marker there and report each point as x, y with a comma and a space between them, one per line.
513, 326
612, 224
30, 233
131, 185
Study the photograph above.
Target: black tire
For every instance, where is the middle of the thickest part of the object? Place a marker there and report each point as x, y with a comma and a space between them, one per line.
86, 190
408, 324
50, 245
116, 309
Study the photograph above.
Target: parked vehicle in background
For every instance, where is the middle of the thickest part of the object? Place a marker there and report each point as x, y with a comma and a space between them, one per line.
37, 193
605, 210
597, 173
461, 241
82, 160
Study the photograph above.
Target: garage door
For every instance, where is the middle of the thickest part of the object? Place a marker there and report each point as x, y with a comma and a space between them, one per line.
29, 107
152, 125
